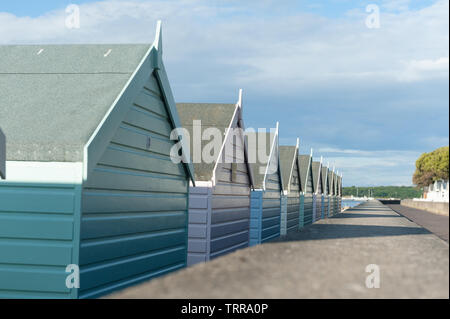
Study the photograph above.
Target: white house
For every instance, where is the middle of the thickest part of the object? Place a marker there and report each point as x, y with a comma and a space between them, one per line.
437, 192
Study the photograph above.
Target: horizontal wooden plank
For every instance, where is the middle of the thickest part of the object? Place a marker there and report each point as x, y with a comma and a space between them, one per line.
219, 201
35, 252
195, 258
37, 200
270, 222
151, 102
227, 215
219, 230
138, 138
37, 226
229, 249
271, 212
239, 177
198, 201
198, 216
107, 225
269, 194
100, 275
197, 231
148, 121
115, 202
231, 189
30, 279
94, 251
270, 233
196, 245
119, 156
221, 243
271, 203
123, 179
152, 86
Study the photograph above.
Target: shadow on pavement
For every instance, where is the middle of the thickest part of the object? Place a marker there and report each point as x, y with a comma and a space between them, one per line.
335, 231
355, 215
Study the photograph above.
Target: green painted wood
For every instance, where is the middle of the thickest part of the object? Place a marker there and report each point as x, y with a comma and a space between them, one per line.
36, 199
37, 239
33, 226
103, 274
20, 278
135, 201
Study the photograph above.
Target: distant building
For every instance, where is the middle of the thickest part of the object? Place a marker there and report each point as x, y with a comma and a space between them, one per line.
437, 192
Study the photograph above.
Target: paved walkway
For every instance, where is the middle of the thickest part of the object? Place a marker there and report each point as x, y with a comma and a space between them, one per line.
437, 224
324, 260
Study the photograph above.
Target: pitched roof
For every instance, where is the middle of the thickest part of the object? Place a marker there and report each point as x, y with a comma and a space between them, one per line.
287, 156
259, 143
211, 116
315, 173
53, 97
304, 161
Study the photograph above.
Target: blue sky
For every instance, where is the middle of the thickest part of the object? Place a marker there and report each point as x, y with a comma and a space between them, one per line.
369, 100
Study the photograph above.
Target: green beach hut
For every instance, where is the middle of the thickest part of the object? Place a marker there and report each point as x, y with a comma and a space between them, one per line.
93, 200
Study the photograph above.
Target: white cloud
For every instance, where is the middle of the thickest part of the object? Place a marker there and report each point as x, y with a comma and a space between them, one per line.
372, 168
396, 5
210, 50
422, 69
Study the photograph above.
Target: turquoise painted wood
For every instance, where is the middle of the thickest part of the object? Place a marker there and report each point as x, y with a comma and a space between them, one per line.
265, 217
38, 239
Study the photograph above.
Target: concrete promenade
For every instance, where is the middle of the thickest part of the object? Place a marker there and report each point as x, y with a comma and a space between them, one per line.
325, 260
435, 223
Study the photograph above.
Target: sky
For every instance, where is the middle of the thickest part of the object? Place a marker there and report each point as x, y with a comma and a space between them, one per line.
369, 100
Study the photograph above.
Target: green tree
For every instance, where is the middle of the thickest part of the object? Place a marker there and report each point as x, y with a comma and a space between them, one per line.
431, 167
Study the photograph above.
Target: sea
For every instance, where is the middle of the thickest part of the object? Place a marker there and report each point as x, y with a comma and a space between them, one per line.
350, 203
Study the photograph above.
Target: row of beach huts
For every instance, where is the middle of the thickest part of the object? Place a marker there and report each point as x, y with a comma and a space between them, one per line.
91, 197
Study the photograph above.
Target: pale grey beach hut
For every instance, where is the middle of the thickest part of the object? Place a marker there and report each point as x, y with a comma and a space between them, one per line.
219, 205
